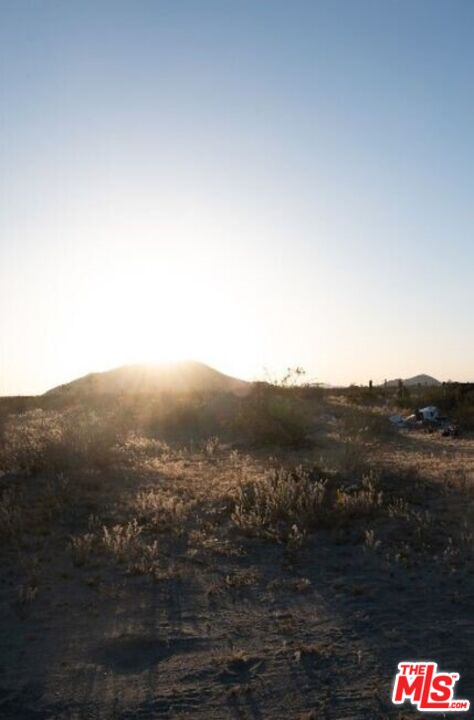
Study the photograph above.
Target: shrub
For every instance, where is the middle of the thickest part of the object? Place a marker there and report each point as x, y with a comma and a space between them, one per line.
161, 510
175, 417
40, 441
463, 415
361, 395
273, 416
280, 499
358, 502
287, 504
82, 548
121, 541
26, 438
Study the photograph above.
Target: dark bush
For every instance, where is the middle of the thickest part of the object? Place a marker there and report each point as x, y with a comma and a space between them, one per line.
272, 415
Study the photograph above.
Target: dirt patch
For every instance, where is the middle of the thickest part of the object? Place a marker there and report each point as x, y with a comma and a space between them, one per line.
137, 654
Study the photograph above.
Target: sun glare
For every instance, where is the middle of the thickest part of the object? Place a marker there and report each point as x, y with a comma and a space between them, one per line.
152, 312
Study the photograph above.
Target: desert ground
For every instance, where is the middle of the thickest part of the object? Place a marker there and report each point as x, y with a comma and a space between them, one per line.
164, 571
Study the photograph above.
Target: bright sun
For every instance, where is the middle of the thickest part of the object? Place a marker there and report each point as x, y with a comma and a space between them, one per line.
159, 312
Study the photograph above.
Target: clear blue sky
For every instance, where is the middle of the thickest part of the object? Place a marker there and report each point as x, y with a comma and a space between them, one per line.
252, 184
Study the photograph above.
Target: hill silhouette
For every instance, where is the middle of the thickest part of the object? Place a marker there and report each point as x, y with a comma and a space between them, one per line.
422, 379
180, 377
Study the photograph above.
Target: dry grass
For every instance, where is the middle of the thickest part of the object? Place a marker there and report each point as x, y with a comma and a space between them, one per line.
121, 541
278, 500
162, 511
287, 504
83, 548
48, 442
213, 534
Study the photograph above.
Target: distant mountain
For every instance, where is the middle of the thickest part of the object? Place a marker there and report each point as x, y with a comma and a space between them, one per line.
425, 380
139, 379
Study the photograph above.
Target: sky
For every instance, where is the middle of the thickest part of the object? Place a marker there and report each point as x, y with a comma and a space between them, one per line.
253, 184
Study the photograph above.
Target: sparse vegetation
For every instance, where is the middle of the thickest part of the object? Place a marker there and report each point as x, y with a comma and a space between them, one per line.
82, 548
49, 442
280, 499
273, 415
230, 519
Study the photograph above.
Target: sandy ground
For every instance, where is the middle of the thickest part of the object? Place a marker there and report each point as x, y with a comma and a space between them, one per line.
235, 626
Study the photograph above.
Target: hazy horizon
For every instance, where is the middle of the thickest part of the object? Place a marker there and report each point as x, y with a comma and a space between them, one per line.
250, 185
266, 374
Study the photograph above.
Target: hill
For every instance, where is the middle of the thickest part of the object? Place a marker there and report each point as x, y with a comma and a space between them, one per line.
425, 380
178, 377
